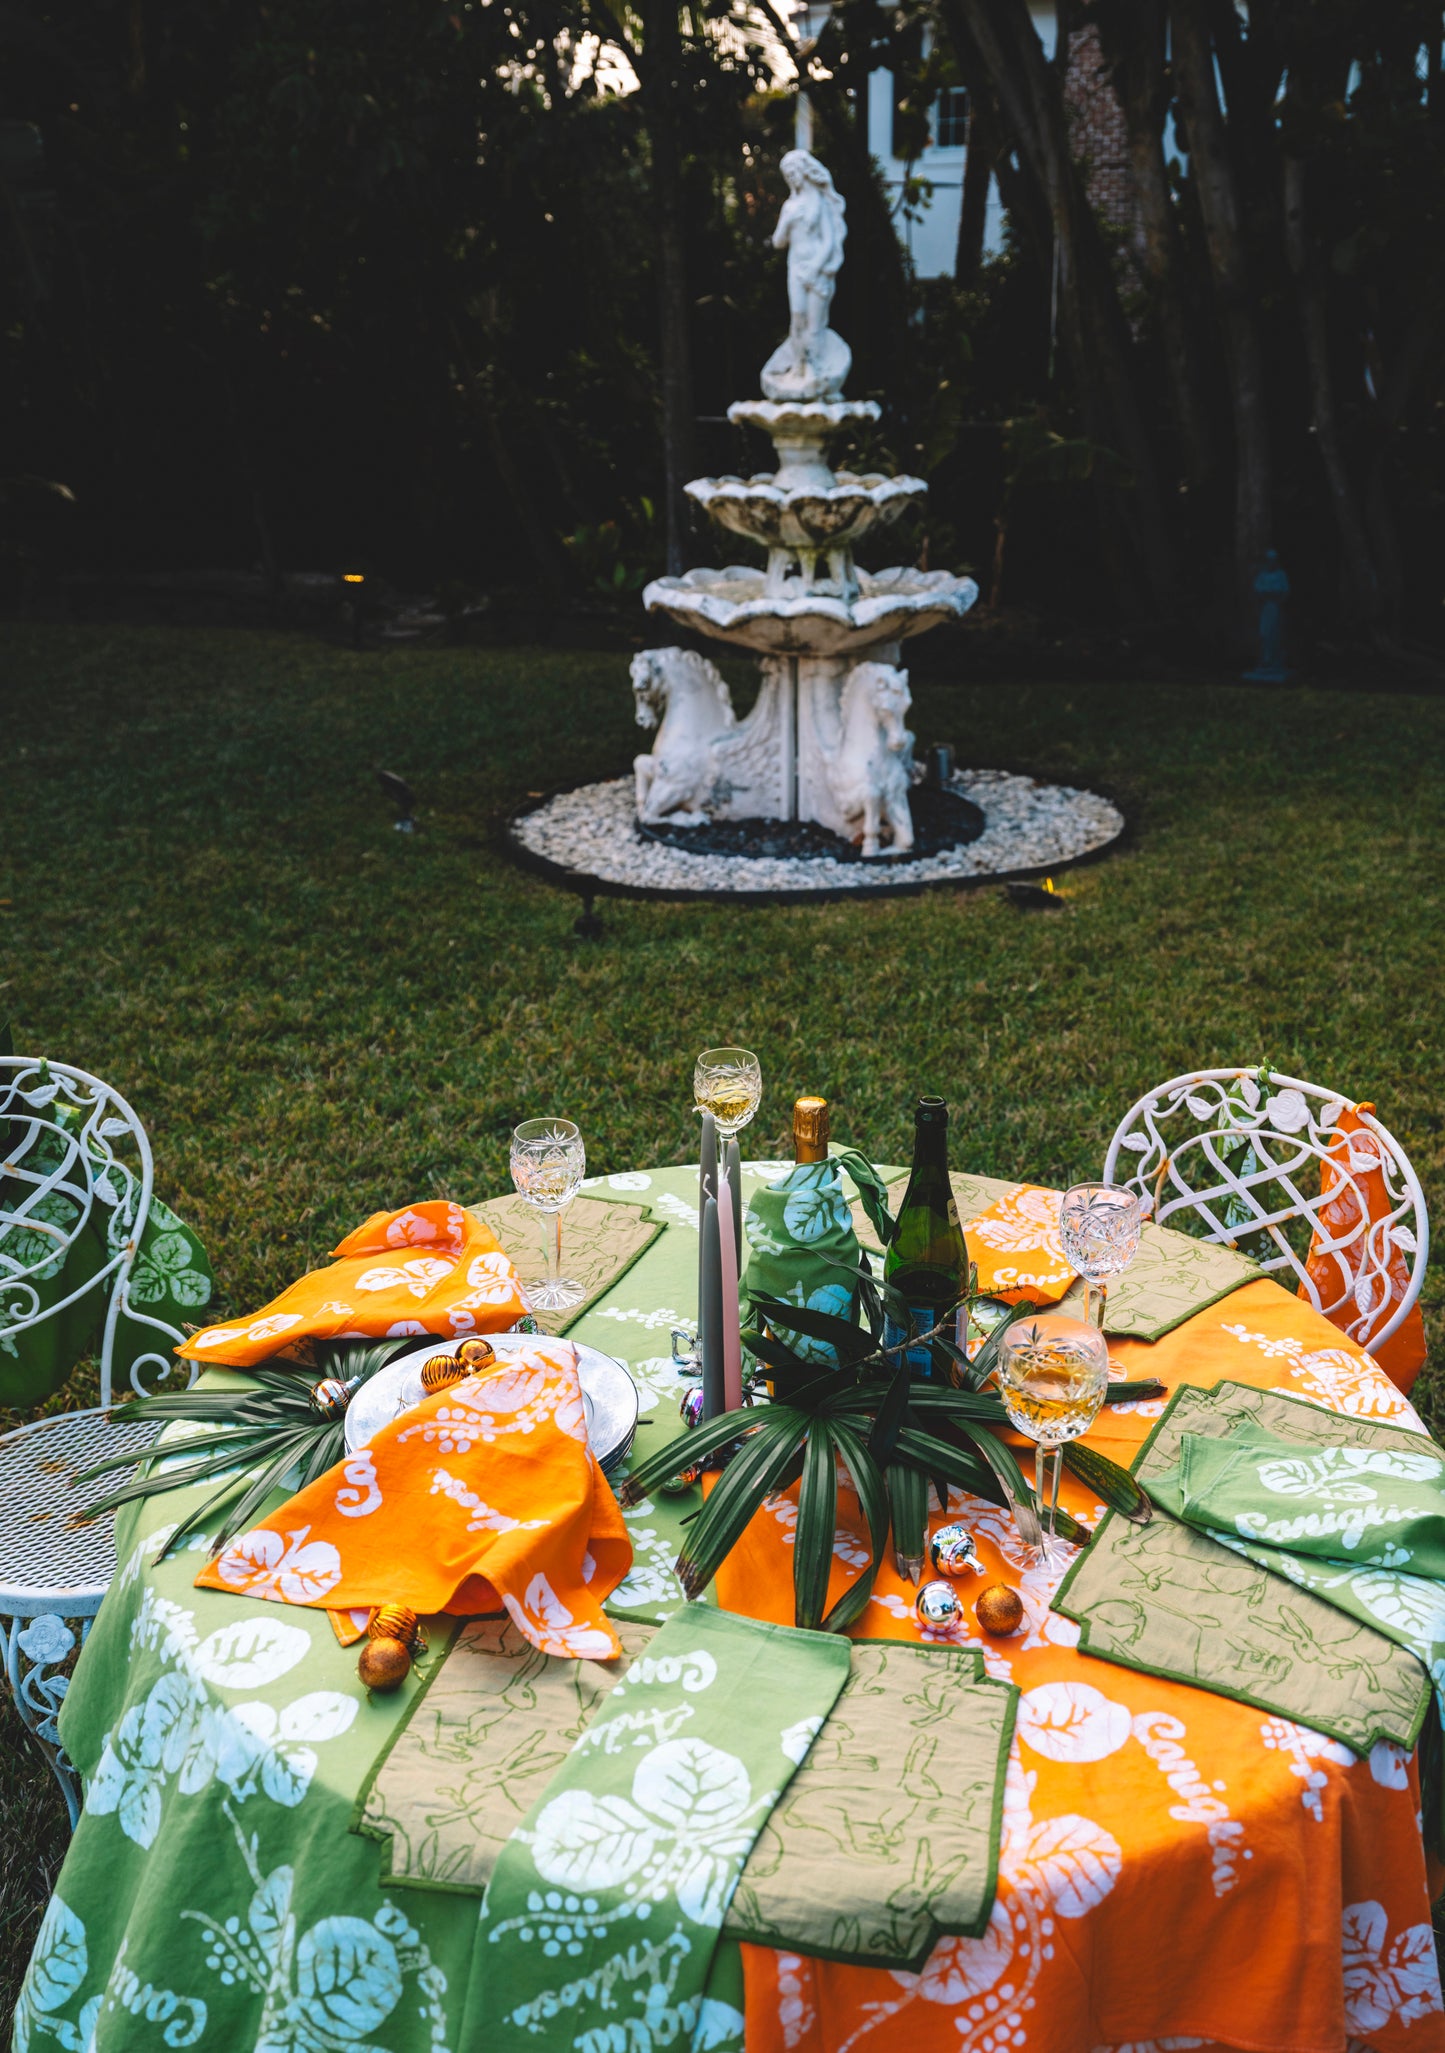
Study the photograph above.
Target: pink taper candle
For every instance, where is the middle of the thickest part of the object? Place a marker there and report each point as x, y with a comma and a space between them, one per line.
731, 1322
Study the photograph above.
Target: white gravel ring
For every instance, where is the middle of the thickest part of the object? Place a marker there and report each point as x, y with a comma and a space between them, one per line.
589, 836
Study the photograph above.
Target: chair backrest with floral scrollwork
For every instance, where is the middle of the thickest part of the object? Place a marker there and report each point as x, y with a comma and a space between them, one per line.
1260, 1161
75, 1199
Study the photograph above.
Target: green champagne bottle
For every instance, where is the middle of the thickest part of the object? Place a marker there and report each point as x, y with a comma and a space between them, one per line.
927, 1258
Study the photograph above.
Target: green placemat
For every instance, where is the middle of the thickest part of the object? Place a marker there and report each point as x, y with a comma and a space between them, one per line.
1168, 1600
1172, 1277
888, 1834
601, 1239
496, 1723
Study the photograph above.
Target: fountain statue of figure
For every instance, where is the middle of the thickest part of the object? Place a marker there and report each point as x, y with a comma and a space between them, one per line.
813, 362
825, 741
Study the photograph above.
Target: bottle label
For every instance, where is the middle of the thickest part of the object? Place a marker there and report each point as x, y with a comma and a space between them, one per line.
923, 1318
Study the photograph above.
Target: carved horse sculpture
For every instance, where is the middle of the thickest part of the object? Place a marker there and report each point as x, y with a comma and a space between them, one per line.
690, 699
872, 769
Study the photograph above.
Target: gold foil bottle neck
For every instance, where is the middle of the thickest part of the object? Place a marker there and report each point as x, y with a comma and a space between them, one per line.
810, 1129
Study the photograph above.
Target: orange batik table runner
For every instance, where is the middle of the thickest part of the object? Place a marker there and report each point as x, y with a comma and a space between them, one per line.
1176, 1868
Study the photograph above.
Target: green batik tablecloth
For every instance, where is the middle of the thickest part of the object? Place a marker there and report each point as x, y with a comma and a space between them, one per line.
214, 1893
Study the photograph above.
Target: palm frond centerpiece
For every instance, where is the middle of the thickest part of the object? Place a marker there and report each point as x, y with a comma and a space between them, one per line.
869, 1419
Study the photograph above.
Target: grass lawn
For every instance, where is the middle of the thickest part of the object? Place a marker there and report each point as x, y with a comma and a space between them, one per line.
202, 899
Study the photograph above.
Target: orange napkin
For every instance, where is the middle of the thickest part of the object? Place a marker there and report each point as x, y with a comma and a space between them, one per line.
430, 1268
1403, 1355
484, 1497
1016, 1246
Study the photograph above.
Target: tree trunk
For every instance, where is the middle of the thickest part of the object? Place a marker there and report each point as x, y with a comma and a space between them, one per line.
1133, 36
978, 163
662, 55
1359, 585
1194, 77
998, 38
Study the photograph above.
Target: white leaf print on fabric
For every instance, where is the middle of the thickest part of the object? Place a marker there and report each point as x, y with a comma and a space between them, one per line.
57, 1968
1058, 1867
331, 1988
294, 1568
1387, 1981
1337, 1474
684, 1832
1072, 1721
418, 1276
250, 1653
1389, 1765
177, 1733
1407, 1602
548, 1624
798, 1738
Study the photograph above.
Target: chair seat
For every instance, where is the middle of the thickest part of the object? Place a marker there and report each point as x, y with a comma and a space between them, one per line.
48, 1563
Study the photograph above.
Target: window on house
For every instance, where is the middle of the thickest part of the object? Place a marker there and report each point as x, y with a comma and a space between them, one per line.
951, 128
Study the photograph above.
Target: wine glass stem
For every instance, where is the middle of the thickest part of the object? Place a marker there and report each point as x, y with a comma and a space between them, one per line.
1040, 1456
554, 1251
1058, 1454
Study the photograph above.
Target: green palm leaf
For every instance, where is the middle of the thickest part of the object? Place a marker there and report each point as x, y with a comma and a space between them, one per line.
751, 1475
867, 1479
817, 1523
908, 1495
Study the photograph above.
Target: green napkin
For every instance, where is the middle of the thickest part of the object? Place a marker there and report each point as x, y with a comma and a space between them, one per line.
1360, 1526
1168, 1599
802, 1247
889, 1832
605, 1908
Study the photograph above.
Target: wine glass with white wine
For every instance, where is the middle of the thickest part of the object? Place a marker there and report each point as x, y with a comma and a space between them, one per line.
1052, 1374
549, 1162
728, 1082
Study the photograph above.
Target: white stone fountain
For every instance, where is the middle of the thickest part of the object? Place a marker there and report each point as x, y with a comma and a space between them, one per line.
823, 763
826, 740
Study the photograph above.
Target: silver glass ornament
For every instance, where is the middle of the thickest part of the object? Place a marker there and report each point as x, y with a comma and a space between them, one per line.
331, 1396
939, 1606
952, 1551
676, 1485
690, 1406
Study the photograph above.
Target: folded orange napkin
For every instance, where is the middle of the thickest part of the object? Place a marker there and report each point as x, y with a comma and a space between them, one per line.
430, 1268
484, 1497
1016, 1246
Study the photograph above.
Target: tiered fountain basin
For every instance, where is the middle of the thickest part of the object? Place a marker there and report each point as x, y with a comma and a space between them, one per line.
742, 606
809, 517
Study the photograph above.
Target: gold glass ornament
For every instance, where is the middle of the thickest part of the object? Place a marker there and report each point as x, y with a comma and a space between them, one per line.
1000, 1610
394, 1622
440, 1372
384, 1664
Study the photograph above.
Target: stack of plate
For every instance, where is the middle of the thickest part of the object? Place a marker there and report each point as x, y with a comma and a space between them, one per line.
609, 1395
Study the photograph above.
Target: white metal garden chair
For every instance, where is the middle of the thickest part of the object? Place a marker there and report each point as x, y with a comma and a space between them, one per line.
73, 1155
1241, 1151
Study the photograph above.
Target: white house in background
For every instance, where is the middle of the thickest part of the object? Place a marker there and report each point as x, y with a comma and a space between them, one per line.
931, 236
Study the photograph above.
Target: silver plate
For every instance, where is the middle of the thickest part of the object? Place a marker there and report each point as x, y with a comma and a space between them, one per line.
609, 1395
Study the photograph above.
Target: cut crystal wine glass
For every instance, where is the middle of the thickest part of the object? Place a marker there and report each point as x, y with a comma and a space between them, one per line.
728, 1082
1052, 1374
549, 1162
1099, 1227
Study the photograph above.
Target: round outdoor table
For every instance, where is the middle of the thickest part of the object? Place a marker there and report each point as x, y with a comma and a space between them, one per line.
1177, 1869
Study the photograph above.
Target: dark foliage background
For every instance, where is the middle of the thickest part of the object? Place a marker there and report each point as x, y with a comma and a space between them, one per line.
416, 290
